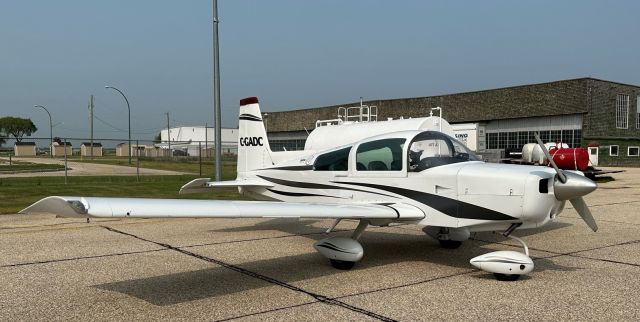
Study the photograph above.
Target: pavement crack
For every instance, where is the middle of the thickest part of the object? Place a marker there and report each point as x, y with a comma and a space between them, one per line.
320, 298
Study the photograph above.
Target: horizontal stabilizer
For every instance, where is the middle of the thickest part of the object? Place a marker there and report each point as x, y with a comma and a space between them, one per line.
205, 184
185, 208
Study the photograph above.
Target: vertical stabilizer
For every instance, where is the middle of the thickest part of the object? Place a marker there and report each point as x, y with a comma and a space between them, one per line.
253, 146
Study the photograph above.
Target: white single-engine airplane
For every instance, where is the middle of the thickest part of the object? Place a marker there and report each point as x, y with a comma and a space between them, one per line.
402, 177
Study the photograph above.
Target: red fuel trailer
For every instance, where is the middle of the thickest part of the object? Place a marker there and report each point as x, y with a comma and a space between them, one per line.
566, 158
570, 158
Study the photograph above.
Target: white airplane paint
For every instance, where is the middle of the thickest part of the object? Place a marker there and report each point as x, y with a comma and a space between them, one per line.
400, 177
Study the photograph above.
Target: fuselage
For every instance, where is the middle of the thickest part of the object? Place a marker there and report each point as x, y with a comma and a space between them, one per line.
450, 192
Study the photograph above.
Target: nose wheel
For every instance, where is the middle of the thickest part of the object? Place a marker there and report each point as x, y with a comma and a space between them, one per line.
506, 265
506, 277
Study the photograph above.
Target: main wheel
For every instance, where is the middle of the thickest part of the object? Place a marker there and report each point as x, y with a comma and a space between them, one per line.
343, 265
506, 277
449, 244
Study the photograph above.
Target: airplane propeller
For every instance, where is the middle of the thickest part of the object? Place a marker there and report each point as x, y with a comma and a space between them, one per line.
571, 186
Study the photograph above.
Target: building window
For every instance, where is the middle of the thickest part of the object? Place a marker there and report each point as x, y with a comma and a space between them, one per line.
633, 151
544, 136
492, 140
577, 138
502, 140
622, 111
613, 150
523, 138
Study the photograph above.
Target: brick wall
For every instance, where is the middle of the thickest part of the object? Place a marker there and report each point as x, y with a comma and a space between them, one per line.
599, 126
555, 98
600, 121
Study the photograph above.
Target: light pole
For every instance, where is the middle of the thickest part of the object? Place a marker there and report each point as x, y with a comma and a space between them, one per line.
216, 94
129, 109
50, 131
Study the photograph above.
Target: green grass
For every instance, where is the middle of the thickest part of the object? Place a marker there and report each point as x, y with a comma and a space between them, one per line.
28, 167
18, 193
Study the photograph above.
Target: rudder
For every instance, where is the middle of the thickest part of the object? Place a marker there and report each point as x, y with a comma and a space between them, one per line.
253, 146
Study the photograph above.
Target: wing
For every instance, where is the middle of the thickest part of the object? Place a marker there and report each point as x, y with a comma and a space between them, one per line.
185, 208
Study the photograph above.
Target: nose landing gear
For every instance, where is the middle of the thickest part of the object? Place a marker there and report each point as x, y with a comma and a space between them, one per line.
505, 265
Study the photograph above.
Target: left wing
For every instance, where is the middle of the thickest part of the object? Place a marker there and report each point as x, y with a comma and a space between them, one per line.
187, 208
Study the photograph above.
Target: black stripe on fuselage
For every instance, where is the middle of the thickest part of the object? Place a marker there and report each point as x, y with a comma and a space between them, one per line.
447, 206
299, 194
310, 185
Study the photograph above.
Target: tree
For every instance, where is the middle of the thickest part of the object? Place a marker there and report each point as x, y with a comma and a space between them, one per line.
17, 127
157, 138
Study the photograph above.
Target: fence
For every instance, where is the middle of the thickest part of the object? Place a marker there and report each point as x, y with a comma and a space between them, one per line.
190, 157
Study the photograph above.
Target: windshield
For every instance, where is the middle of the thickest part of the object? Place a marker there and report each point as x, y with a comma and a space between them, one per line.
431, 149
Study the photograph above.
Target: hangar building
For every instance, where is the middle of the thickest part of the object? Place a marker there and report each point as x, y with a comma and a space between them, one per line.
601, 115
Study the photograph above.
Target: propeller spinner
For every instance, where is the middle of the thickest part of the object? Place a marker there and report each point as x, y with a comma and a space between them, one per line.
571, 186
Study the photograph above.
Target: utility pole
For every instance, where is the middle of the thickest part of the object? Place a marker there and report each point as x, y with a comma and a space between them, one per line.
169, 135
206, 140
216, 94
91, 113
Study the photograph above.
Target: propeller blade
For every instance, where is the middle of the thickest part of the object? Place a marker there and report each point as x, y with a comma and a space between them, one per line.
583, 210
561, 175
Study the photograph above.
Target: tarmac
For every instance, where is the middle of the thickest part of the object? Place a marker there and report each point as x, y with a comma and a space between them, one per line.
267, 269
86, 169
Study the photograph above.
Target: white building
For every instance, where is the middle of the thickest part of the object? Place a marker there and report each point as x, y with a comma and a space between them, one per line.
188, 138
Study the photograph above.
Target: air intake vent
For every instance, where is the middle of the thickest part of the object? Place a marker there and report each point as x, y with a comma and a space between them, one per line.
543, 186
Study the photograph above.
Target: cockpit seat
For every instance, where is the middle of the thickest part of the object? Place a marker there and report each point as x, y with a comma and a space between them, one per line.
396, 165
377, 166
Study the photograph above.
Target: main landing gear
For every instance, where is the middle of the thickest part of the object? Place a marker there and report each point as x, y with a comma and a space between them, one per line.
449, 244
342, 252
449, 238
506, 265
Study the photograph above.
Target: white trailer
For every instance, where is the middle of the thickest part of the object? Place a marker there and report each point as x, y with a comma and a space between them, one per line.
471, 134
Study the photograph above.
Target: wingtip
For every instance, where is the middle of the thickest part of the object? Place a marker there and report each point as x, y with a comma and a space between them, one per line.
57, 205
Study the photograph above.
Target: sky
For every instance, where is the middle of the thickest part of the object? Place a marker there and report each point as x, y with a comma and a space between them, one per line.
291, 54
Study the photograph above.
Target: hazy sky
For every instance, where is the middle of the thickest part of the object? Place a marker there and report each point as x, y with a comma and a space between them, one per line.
291, 54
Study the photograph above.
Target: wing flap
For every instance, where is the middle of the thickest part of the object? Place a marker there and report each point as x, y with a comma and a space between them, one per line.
186, 208
205, 184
